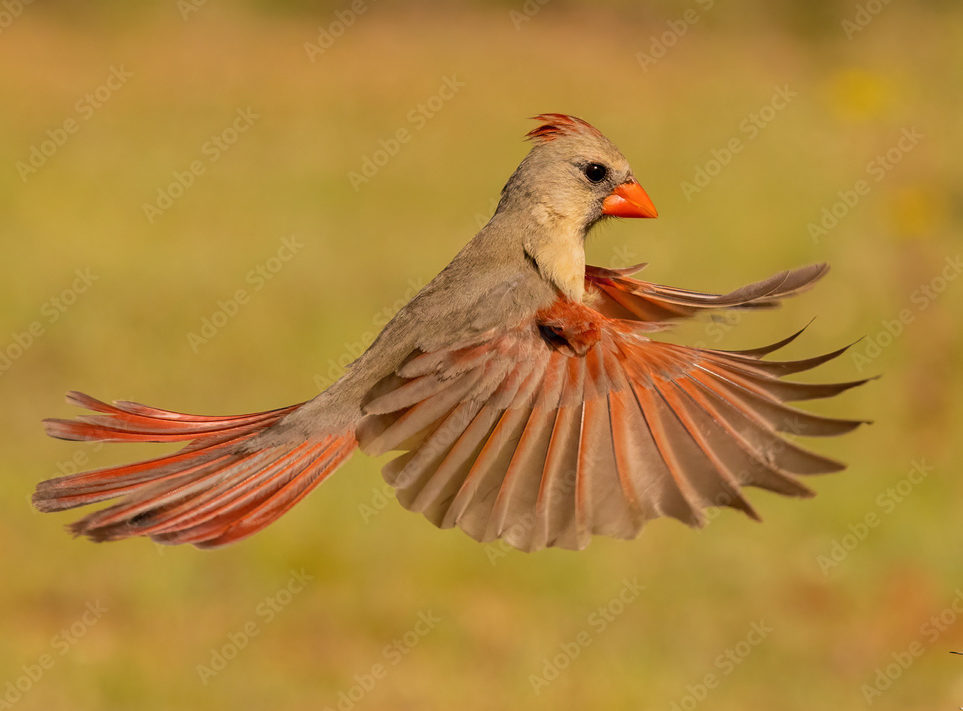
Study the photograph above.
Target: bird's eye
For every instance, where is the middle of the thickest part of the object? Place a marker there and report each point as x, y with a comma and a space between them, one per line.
595, 172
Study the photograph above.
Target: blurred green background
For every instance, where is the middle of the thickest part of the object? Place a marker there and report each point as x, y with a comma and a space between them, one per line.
350, 602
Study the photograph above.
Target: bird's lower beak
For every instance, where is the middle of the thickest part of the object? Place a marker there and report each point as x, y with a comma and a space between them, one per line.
629, 200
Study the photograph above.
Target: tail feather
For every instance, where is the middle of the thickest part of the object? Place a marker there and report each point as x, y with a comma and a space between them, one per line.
213, 491
131, 422
273, 501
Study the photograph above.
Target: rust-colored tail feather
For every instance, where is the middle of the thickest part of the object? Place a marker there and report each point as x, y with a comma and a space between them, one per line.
213, 491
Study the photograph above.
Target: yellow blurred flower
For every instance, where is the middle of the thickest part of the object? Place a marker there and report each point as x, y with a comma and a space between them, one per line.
916, 212
856, 94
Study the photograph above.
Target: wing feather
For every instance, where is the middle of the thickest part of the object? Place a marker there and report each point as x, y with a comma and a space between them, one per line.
512, 514
622, 296
605, 509
780, 417
575, 423
555, 505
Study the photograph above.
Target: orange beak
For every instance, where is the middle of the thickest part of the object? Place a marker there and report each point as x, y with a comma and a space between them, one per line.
629, 200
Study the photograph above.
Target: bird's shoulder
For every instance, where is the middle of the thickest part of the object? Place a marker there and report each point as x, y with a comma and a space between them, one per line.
484, 287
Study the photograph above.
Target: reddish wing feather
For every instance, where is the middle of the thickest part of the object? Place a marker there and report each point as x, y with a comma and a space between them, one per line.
578, 424
614, 293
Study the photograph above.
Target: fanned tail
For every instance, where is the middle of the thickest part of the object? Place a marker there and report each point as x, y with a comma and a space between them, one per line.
215, 490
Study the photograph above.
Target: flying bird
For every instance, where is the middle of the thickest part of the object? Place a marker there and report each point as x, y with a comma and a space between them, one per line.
521, 387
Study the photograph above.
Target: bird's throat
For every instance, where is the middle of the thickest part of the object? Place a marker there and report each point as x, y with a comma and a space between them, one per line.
561, 260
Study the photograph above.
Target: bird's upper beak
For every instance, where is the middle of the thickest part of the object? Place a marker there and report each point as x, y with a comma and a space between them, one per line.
629, 200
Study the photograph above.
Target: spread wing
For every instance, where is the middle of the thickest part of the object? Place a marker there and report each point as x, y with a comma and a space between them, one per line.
618, 295
574, 423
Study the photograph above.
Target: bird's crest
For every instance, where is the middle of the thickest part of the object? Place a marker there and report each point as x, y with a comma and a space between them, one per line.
552, 126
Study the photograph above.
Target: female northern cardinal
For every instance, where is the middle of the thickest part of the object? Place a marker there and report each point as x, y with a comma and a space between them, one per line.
520, 384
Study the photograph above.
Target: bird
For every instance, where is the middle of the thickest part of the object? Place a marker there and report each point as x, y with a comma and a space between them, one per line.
526, 393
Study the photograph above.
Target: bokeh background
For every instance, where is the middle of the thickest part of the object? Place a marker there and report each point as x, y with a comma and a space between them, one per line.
849, 600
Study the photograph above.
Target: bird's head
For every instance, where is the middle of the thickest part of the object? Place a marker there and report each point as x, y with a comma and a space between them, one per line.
574, 176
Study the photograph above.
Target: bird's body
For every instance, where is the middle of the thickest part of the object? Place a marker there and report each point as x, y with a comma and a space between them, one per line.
521, 385
457, 305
